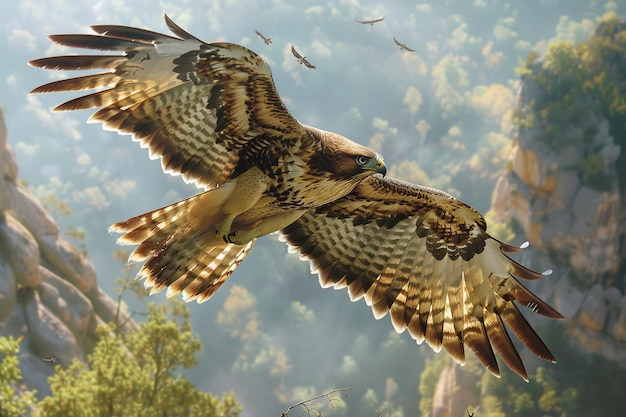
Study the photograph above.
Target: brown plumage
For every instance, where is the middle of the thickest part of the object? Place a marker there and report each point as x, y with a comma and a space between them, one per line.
266, 39
301, 59
211, 113
402, 46
370, 21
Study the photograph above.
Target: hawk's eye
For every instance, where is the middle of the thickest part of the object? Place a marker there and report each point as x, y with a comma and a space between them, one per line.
362, 160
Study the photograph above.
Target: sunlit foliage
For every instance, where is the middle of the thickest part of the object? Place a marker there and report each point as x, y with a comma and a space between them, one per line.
15, 400
577, 79
449, 80
545, 396
137, 374
238, 318
428, 382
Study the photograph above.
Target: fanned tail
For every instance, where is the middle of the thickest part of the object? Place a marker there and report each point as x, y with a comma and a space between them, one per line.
180, 249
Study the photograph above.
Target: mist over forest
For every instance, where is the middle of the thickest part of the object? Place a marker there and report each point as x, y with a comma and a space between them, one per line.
441, 116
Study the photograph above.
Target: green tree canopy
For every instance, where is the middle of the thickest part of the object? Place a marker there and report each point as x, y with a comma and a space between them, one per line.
137, 374
13, 403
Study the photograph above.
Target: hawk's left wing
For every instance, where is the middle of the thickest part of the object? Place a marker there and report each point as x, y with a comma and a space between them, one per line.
402, 46
426, 258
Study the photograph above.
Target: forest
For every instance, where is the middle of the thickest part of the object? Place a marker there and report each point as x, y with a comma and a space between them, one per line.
443, 115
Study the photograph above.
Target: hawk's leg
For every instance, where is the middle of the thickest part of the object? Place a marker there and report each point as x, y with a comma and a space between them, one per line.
246, 190
265, 226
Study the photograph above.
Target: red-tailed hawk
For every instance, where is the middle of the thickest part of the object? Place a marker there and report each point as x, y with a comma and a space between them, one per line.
402, 46
370, 21
211, 113
301, 59
266, 39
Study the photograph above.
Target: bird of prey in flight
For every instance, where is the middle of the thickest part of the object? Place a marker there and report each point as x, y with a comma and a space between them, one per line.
402, 46
266, 39
370, 21
301, 59
211, 113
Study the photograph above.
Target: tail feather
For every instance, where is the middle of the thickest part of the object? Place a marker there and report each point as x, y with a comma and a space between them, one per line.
181, 252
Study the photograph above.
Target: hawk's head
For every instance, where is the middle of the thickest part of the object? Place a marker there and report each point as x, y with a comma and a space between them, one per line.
345, 158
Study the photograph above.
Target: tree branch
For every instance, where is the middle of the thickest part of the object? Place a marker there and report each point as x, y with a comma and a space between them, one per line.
305, 403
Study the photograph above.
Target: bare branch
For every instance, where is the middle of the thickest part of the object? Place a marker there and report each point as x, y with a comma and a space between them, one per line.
306, 403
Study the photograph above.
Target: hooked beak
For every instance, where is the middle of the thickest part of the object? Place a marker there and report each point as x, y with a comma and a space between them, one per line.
380, 166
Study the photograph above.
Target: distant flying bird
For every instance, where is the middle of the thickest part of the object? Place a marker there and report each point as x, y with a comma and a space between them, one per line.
211, 113
301, 59
402, 46
370, 21
267, 40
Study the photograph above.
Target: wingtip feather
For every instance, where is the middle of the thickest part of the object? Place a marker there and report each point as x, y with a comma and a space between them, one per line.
525, 333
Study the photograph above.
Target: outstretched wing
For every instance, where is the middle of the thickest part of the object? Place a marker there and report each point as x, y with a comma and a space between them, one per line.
370, 21
197, 106
424, 257
402, 46
265, 39
295, 53
301, 59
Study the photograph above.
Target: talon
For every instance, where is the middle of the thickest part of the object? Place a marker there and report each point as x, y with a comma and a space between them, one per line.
239, 238
224, 237
223, 228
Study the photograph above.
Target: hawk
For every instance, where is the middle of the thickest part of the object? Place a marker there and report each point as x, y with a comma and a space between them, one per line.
402, 46
266, 39
370, 21
211, 113
301, 59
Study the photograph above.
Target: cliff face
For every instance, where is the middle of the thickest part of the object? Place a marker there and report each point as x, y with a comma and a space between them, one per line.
565, 191
567, 200
550, 193
48, 290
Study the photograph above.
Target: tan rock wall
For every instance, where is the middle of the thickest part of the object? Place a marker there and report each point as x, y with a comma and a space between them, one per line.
48, 290
572, 223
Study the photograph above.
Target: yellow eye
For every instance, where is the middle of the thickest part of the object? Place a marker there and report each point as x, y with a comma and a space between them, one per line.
362, 160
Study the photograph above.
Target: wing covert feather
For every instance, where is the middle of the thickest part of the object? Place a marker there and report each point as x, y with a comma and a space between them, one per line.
425, 258
197, 106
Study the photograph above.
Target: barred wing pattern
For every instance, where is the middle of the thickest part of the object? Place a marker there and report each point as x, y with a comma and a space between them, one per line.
425, 258
195, 105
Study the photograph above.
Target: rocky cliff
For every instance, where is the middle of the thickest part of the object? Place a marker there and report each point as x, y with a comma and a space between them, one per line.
564, 190
48, 290
567, 198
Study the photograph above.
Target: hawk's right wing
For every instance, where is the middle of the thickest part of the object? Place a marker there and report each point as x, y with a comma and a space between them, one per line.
195, 105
